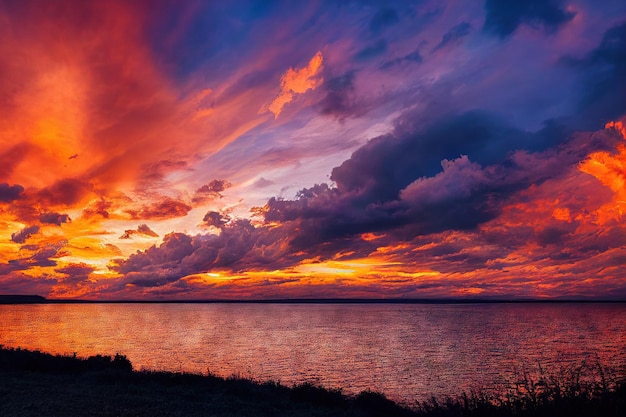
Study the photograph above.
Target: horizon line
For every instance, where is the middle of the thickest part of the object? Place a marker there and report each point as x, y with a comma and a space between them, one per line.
37, 299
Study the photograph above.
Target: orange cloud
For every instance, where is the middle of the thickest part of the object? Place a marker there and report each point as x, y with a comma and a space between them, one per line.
610, 170
368, 237
142, 230
86, 99
92, 121
562, 214
165, 209
297, 81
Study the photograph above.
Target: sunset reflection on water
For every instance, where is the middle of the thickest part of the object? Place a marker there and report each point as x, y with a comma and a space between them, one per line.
406, 351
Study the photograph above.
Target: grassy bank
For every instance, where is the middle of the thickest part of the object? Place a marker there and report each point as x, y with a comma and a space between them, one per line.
38, 384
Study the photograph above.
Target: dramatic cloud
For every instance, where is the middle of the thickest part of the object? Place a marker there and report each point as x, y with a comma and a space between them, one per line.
440, 149
501, 217
375, 192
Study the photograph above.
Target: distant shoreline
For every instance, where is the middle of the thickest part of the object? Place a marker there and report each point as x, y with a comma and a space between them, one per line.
36, 299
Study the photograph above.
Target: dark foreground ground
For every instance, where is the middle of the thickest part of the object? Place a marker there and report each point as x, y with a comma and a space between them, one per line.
39, 384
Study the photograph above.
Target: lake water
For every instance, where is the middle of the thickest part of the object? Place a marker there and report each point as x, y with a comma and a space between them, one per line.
407, 351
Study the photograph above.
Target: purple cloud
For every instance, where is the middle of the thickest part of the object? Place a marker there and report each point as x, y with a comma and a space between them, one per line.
211, 191
9, 193
75, 273
142, 230
25, 233
166, 208
54, 218
215, 219
239, 246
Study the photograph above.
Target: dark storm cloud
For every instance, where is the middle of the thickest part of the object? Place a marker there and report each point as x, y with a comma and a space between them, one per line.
392, 184
604, 69
345, 216
505, 16
54, 218
454, 35
9, 193
25, 233
387, 164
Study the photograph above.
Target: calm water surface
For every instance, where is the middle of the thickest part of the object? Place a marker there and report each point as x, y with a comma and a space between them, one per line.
406, 351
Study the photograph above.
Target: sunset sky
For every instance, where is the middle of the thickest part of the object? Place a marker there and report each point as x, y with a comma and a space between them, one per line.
309, 149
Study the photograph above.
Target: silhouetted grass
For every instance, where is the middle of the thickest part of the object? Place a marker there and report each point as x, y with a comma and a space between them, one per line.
584, 390
33, 383
26, 360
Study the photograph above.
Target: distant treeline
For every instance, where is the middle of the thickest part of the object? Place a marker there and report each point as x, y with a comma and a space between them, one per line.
22, 299
33, 383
